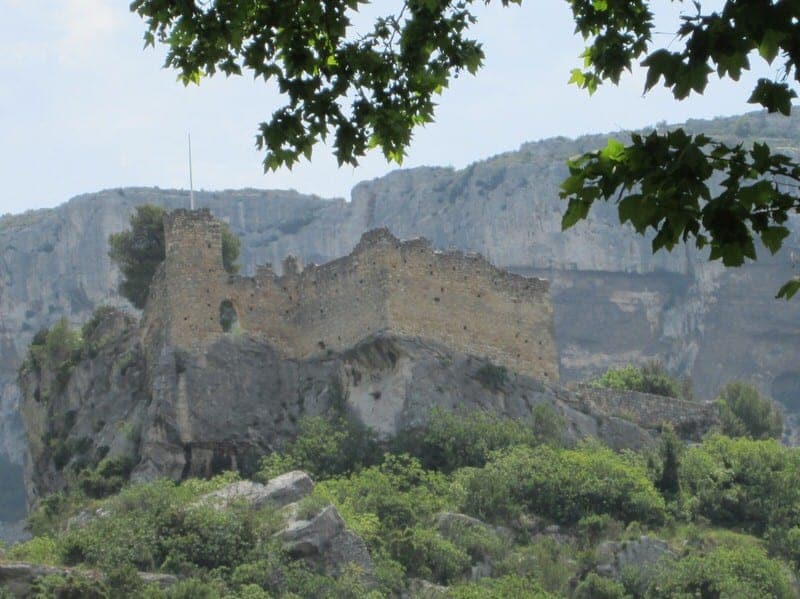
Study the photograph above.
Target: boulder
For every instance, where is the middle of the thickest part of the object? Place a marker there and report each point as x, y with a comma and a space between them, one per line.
642, 555
324, 542
289, 488
279, 491
303, 538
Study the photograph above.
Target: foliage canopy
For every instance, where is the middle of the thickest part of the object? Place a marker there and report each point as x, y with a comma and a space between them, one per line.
371, 88
745, 412
418, 522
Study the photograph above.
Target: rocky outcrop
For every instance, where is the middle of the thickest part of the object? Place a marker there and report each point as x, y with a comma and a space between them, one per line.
324, 542
172, 412
321, 539
279, 491
640, 557
614, 301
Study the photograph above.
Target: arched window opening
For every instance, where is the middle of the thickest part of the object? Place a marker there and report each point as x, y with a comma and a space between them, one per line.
228, 318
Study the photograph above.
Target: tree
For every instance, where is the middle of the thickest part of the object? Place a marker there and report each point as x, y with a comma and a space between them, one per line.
138, 252
371, 89
670, 449
744, 412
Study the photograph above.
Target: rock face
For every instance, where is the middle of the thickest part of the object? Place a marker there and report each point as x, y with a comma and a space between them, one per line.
614, 302
175, 412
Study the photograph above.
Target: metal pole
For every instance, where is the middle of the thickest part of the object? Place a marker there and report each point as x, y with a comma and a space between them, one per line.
191, 183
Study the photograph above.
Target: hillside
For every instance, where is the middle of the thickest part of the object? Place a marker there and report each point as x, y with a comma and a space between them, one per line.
614, 302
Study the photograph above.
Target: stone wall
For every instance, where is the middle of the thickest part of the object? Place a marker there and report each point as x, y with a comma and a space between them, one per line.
407, 288
690, 418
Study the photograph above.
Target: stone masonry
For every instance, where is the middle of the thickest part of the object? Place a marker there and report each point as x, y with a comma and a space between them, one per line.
384, 285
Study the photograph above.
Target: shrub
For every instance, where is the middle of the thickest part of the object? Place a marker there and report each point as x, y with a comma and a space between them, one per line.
56, 350
743, 571
38, 550
550, 562
505, 587
564, 485
324, 448
450, 441
69, 586
597, 587
192, 588
741, 482
147, 522
428, 555
382, 503
107, 478
744, 412
492, 377
651, 377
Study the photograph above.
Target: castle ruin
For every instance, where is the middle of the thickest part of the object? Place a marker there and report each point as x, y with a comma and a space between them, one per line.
385, 285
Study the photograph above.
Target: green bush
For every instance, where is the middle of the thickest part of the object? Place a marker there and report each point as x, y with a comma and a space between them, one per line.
56, 350
744, 571
324, 448
38, 550
492, 377
383, 503
110, 475
597, 587
564, 485
550, 562
651, 377
450, 441
147, 523
428, 555
743, 483
744, 412
507, 587
69, 586
208, 538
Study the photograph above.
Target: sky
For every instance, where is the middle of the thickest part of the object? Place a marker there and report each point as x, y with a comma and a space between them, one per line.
84, 107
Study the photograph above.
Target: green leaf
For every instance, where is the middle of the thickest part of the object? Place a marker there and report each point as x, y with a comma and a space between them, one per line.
577, 210
773, 237
789, 289
775, 97
770, 44
614, 150
573, 184
759, 194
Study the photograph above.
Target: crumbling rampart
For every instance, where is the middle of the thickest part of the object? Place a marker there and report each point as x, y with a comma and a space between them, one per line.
384, 285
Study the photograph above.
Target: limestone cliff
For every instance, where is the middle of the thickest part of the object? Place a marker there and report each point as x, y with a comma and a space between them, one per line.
165, 410
614, 302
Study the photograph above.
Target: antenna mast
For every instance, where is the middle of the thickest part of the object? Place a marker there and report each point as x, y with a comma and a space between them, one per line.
191, 183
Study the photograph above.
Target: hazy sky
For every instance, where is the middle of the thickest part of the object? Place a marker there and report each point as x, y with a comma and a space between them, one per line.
83, 107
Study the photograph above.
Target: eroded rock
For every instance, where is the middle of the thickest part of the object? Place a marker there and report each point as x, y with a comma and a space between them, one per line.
324, 542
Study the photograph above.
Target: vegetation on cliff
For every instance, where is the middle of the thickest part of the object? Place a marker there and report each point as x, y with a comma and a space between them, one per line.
139, 250
482, 507
744, 412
